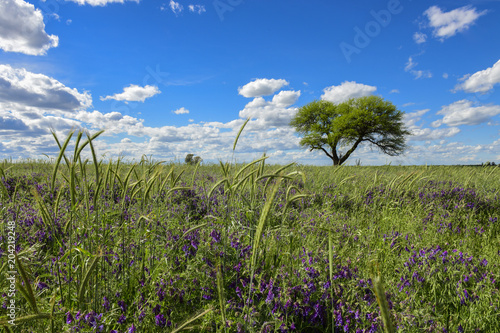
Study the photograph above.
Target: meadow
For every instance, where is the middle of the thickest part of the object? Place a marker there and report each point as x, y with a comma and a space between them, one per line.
117, 246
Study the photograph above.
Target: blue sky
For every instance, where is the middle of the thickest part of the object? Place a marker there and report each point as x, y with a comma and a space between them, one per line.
167, 78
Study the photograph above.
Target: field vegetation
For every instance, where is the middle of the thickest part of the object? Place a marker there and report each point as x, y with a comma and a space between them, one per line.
117, 246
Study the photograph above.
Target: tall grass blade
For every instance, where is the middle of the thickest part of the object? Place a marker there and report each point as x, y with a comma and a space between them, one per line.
38, 316
378, 288
28, 290
94, 157
249, 165
52, 308
81, 292
192, 319
239, 132
260, 230
59, 157
220, 292
95, 135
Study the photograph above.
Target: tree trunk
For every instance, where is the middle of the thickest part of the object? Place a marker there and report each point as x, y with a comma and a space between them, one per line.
335, 157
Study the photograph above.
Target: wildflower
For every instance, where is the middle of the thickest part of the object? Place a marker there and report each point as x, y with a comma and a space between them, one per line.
69, 318
122, 305
42, 285
160, 320
216, 236
122, 319
106, 303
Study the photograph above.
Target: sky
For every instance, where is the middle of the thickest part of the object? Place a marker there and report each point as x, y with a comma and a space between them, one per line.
165, 78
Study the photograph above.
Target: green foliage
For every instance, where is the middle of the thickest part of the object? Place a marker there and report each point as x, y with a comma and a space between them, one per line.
331, 127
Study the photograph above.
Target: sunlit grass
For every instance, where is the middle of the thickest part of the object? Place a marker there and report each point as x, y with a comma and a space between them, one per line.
146, 246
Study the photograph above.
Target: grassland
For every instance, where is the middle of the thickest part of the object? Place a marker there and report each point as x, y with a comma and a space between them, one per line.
109, 246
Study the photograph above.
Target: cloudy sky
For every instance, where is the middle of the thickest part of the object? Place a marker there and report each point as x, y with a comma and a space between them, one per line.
167, 78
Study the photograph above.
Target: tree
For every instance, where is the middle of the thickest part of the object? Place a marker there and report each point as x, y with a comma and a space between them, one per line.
190, 159
331, 127
197, 160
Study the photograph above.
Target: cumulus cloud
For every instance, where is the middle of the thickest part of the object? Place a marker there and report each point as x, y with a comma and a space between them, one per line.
274, 113
134, 93
481, 81
197, 9
181, 111
419, 37
419, 133
345, 91
447, 24
410, 65
100, 2
20, 89
22, 29
261, 87
113, 122
464, 113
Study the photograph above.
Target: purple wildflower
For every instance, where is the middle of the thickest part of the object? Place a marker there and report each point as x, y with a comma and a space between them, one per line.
160, 320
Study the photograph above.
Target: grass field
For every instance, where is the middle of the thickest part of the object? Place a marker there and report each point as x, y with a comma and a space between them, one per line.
109, 246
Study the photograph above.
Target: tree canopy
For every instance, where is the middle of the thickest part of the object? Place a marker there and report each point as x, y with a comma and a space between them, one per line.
338, 129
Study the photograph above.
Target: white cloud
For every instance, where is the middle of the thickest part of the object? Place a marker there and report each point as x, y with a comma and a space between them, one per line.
197, 9
22, 29
410, 65
175, 7
464, 113
113, 122
345, 91
481, 81
419, 37
20, 89
100, 2
285, 98
411, 120
181, 111
447, 24
261, 87
134, 93
394, 91
275, 113
425, 74
445, 75
427, 134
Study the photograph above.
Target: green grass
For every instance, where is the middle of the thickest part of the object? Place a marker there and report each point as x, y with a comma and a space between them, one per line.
250, 247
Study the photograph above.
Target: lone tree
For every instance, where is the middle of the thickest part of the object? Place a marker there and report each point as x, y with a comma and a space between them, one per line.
330, 127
